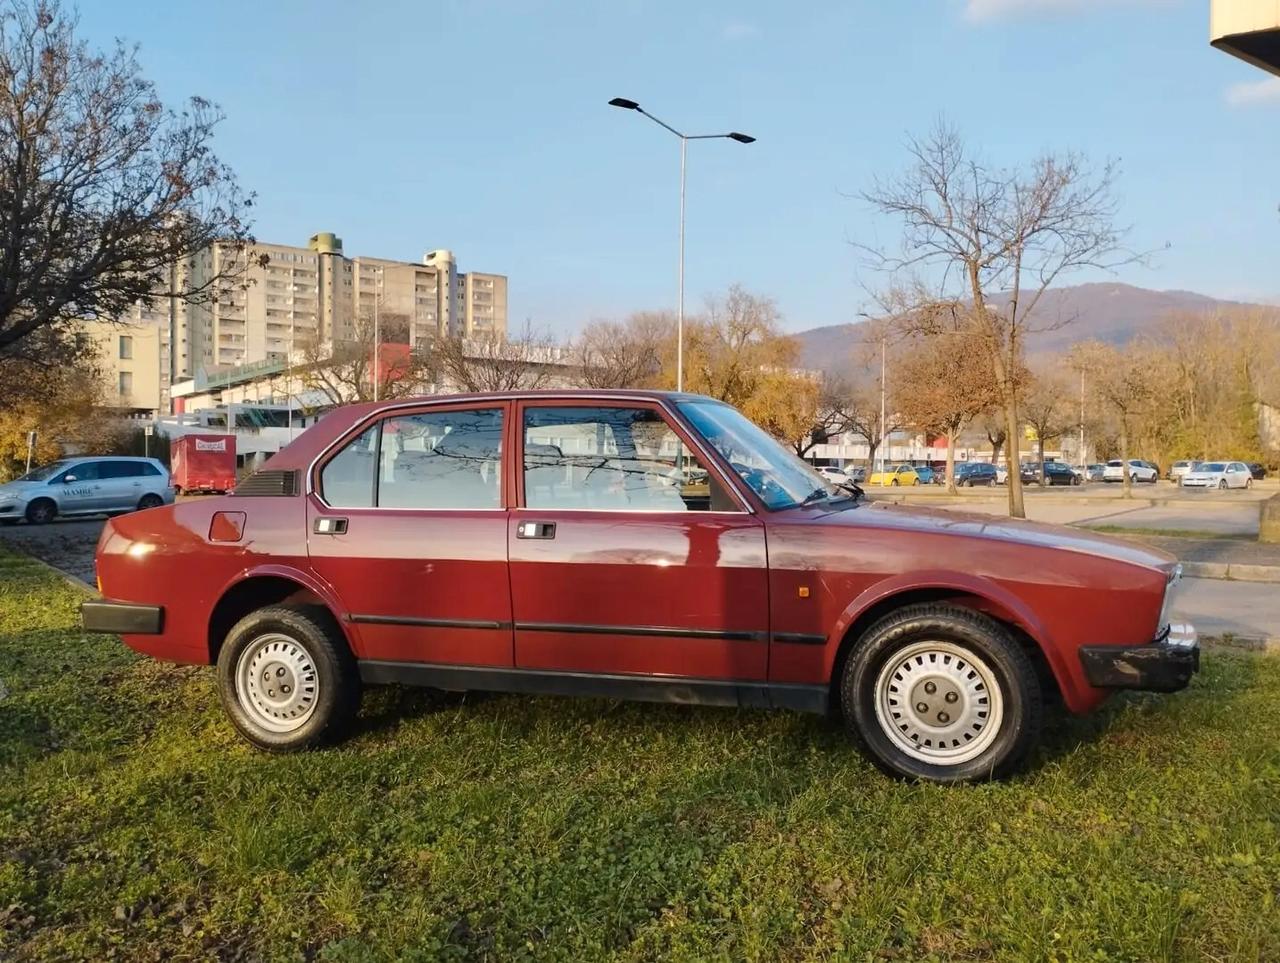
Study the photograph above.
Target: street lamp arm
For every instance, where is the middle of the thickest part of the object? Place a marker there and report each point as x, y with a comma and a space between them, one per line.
660, 123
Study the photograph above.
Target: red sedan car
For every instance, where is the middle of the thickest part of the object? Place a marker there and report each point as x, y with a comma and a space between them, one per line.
638, 545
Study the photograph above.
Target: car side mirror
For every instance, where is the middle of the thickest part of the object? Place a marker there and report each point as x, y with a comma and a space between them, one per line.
67, 479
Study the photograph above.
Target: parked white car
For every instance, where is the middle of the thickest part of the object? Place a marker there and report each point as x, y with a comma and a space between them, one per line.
1139, 471
86, 486
1219, 474
836, 476
1180, 468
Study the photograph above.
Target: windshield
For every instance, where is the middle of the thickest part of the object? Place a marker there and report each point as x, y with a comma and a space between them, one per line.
45, 473
780, 478
1213, 466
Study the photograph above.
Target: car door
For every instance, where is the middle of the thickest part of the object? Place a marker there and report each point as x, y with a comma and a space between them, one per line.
119, 485
77, 490
619, 562
1237, 475
407, 520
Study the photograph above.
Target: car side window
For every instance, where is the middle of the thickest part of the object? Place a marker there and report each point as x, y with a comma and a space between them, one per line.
146, 469
118, 469
613, 459
441, 460
427, 460
346, 481
85, 471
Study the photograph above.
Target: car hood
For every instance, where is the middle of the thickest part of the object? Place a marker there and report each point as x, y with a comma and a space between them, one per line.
993, 527
18, 489
1203, 474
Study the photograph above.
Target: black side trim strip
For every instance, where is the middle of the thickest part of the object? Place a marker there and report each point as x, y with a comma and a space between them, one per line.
121, 618
799, 638
642, 688
428, 623
573, 628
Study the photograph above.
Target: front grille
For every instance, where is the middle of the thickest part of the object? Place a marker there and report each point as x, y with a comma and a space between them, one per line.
277, 482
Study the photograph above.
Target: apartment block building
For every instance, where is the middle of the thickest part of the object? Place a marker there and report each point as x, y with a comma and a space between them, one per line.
286, 297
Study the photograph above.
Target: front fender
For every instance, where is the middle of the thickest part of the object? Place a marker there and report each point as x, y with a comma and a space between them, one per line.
1003, 603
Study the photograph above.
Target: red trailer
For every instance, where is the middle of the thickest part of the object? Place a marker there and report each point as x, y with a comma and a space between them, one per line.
203, 463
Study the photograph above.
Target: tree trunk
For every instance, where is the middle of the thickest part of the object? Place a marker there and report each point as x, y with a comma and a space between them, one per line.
996, 448
1126, 480
1014, 456
951, 460
1040, 453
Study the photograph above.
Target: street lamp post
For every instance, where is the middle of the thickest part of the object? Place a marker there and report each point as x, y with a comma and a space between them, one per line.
684, 144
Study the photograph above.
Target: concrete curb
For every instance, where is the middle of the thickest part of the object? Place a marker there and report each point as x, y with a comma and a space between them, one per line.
1267, 645
79, 584
1232, 571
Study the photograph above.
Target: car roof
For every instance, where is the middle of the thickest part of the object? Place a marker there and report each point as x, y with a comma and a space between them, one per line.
106, 458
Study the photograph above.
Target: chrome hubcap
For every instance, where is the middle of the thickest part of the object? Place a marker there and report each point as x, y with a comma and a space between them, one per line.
277, 683
939, 702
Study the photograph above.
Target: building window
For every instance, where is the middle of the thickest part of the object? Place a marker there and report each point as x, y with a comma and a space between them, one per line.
126, 348
126, 383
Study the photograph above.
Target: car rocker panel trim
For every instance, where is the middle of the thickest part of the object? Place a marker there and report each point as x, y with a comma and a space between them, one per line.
678, 690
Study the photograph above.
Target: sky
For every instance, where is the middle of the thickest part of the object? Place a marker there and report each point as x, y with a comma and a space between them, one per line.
482, 126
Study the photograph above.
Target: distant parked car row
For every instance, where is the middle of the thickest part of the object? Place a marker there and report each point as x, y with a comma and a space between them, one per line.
969, 474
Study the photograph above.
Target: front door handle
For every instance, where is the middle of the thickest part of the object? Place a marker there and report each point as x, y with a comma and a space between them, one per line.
536, 530
330, 526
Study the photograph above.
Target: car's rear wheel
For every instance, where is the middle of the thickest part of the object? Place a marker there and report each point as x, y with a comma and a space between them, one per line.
42, 511
149, 500
941, 693
287, 679
1248, 483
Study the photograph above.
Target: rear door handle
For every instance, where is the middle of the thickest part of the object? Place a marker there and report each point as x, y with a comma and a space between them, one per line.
536, 530
330, 526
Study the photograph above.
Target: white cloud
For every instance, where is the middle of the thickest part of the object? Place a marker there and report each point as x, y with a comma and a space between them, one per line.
1249, 93
991, 9
738, 30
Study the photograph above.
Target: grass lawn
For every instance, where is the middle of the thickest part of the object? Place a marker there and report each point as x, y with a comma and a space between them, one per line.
134, 825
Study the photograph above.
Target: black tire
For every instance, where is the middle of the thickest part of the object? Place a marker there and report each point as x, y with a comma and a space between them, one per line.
1222, 484
149, 500
993, 651
894, 483
324, 661
42, 511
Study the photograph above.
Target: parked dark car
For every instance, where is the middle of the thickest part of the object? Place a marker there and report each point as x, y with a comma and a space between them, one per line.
1257, 470
1055, 473
556, 543
971, 473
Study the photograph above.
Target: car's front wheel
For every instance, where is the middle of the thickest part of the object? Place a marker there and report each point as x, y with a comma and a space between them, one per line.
1222, 484
41, 511
941, 693
287, 679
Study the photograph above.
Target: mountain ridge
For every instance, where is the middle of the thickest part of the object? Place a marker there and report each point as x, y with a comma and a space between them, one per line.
1108, 311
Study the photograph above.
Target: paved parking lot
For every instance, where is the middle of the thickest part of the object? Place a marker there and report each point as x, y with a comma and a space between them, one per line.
66, 544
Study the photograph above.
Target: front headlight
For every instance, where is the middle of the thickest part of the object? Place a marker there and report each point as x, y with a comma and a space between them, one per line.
1171, 589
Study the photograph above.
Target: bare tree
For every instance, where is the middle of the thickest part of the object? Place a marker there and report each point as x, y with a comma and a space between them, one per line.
489, 364
343, 372
623, 354
829, 417
1048, 410
1123, 383
996, 240
102, 189
942, 390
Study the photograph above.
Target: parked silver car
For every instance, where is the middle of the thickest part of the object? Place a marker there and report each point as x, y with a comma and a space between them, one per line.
1180, 468
89, 485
